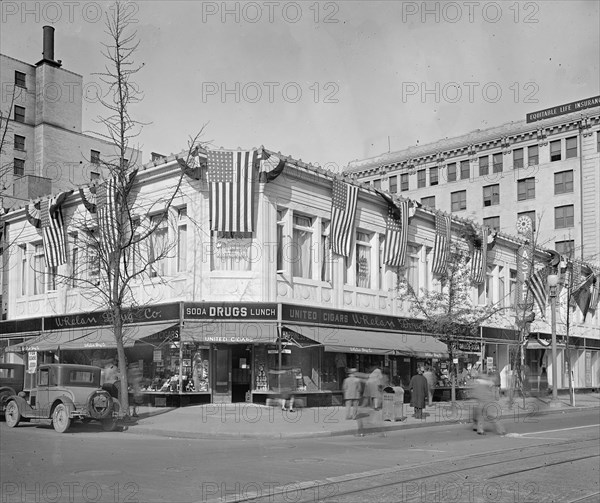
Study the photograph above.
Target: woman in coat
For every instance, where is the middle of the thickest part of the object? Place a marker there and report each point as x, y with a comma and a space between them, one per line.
418, 393
374, 389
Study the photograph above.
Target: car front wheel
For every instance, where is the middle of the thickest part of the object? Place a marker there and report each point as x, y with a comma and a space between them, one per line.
60, 418
12, 414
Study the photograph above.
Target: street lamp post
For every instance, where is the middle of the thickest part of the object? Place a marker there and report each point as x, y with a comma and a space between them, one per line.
552, 282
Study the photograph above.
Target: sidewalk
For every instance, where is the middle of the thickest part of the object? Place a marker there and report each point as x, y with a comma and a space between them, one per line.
246, 420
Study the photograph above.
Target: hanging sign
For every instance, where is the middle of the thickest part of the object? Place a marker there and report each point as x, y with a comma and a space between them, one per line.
32, 362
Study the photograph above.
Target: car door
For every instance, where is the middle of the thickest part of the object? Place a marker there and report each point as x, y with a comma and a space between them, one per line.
42, 392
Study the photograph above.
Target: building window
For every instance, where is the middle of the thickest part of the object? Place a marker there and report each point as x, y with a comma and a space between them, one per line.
526, 189
598, 141
377, 184
571, 150
94, 176
452, 172
280, 229
498, 163
94, 157
19, 114
18, 167
563, 182
20, 79
512, 287
93, 258
492, 223
433, 176
421, 178
75, 272
484, 165
565, 248
301, 252
465, 170
459, 200
484, 290
382, 282
533, 157
428, 201
501, 287
363, 260
404, 182
555, 150
393, 184
39, 270
531, 215
518, 159
23, 272
231, 251
491, 195
19, 142
157, 259
182, 244
412, 269
326, 253
563, 216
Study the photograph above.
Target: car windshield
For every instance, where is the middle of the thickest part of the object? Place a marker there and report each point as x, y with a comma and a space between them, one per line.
81, 376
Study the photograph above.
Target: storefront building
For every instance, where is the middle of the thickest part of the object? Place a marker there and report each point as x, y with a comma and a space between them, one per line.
241, 316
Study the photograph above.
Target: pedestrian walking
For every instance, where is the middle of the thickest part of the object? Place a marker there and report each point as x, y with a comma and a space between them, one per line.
418, 392
373, 394
429, 374
483, 392
352, 388
495, 377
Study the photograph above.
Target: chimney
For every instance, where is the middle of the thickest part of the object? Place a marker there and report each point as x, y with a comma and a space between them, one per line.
48, 48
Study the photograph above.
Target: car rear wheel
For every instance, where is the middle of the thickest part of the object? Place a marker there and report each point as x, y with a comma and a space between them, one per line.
12, 414
60, 418
110, 424
100, 404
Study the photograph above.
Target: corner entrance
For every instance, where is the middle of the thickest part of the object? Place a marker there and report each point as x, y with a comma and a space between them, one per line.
233, 373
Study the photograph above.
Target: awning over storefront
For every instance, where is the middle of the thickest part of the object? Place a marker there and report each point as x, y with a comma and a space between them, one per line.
91, 337
344, 340
228, 332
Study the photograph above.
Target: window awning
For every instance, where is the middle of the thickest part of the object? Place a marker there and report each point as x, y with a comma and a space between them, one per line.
228, 332
343, 340
91, 338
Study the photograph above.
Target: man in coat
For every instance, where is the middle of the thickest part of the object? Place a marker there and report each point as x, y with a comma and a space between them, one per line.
351, 387
418, 392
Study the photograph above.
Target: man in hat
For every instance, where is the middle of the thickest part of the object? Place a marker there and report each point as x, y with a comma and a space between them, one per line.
418, 393
351, 388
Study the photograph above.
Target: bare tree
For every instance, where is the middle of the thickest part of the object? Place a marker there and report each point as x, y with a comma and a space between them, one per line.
449, 311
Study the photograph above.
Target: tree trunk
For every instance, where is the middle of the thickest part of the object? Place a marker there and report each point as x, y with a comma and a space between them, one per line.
124, 391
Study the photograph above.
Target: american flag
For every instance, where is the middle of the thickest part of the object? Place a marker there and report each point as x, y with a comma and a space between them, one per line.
53, 232
441, 245
595, 294
537, 285
582, 295
106, 207
343, 211
230, 175
396, 235
479, 259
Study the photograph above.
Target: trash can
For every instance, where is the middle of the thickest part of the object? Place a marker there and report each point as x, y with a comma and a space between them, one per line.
393, 403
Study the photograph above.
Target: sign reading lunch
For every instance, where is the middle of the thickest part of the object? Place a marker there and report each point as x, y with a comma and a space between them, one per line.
227, 311
568, 108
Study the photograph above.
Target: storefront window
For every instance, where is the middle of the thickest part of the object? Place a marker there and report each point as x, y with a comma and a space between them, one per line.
299, 370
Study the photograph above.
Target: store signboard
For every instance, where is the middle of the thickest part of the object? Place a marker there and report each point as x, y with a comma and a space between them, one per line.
574, 106
229, 311
588, 369
32, 360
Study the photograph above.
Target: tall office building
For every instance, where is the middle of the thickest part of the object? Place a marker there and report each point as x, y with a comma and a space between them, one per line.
548, 169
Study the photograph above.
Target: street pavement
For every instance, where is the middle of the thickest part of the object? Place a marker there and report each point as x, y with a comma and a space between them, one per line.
247, 420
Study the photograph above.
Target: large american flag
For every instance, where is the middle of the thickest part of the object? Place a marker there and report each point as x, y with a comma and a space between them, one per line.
230, 175
106, 207
582, 295
594, 294
537, 284
479, 259
53, 232
441, 245
343, 211
396, 234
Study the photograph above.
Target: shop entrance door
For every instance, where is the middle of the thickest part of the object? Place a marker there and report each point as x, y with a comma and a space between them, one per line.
241, 355
222, 374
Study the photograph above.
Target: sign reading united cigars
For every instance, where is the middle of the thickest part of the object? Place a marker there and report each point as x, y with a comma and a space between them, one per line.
318, 316
148, 314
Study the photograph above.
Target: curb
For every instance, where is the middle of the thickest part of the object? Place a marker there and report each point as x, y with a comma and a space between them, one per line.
381, 430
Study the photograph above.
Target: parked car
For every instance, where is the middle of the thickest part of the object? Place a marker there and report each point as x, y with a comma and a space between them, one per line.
63, 393
12, 379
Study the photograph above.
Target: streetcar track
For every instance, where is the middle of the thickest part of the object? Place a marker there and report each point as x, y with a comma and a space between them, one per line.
591, 498
335, 481
545, 465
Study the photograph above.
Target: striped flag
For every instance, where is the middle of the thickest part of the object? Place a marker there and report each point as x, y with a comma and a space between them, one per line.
396, 234
53, 232
230, 175
33, 214
88, 197
537, 285
441, 245
271, 166
582, 295
594, 295
343, 211
479, 258
106, 207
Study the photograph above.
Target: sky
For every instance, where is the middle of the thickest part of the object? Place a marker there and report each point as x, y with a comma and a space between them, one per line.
326, 82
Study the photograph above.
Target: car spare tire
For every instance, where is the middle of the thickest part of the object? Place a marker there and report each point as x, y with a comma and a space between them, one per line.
100, 404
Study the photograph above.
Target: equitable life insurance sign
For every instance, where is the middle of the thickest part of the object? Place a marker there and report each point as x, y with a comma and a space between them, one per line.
574, 106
